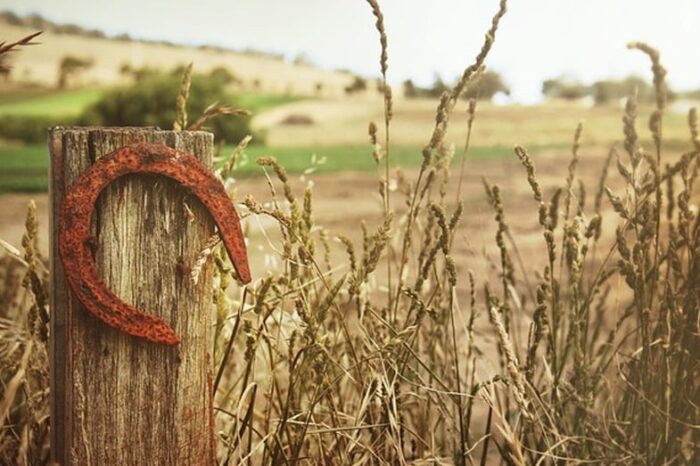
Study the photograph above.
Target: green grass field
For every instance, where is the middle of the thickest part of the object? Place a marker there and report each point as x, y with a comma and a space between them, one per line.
53, 103
258, 102
25, 168
48, 103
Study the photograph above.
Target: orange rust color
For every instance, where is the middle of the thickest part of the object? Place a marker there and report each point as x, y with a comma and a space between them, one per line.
76, 215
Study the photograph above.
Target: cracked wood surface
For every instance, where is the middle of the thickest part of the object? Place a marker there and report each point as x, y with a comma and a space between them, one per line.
117, 399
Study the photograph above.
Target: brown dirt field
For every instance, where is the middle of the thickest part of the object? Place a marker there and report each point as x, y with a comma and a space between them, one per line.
343, 200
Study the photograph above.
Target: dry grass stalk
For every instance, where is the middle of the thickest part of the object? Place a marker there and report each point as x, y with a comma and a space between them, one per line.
23, 346
6, 47
516, 377
388, 113
214, 110
181, 120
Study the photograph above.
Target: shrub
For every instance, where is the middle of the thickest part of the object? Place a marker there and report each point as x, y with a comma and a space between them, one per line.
224, 76
138, 74
439, 86
358, 84
409, 89
486, 86
27, 129
69, 67
563, 88
607, 91
152, 102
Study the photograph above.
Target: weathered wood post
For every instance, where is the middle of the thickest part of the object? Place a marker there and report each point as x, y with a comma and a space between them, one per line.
116, 399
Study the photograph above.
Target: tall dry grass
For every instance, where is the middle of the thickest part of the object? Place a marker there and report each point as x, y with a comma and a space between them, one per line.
24, 365
382, 357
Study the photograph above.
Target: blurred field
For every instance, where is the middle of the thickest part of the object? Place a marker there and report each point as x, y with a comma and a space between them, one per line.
308, 121
344, 121
71, 102
44, 102
25, 168
333, 137
343, 199
265, 73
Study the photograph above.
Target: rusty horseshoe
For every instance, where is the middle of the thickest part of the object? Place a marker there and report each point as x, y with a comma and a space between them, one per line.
75, 240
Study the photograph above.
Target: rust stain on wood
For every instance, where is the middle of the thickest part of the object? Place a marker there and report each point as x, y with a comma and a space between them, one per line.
116, 399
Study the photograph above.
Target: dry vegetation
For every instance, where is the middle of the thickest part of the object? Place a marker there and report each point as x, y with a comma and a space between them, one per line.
389, 351
548, 125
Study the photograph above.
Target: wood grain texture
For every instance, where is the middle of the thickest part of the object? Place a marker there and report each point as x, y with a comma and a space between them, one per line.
117, 399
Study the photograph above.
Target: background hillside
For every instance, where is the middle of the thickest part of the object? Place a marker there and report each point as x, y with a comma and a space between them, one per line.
256, 71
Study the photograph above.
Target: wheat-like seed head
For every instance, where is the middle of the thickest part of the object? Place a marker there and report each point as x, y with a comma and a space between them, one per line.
181, 121
628, 120
514, 372
658, 71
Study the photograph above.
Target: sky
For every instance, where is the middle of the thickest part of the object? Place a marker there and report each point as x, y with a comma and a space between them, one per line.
537, 40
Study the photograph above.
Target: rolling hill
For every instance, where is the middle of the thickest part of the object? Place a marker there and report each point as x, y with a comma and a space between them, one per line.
257, 71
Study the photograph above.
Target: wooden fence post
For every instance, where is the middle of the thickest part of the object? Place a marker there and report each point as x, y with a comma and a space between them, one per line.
116, 399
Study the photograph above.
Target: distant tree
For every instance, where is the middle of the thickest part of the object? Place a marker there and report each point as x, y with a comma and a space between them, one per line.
126, 69
358, 84
223, 75
692, 95
152, 102
603, 91
69, 67
409, 89
94, 33
178, 70
11, 18
489, 84
36, 21
301, 60
439, 86
5, 68
562, 88
137, 74
606, 91
318, 88
379, 86
69, 29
